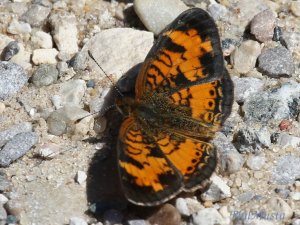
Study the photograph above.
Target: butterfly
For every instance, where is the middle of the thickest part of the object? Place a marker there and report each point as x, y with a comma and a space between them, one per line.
183, 94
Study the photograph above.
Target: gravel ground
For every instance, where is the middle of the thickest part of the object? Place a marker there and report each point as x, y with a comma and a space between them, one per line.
58, 156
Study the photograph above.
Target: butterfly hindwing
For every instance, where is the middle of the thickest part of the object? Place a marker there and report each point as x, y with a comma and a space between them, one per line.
147, 176
194, 159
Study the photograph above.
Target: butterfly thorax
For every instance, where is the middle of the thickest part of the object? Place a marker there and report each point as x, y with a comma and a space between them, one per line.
157, 113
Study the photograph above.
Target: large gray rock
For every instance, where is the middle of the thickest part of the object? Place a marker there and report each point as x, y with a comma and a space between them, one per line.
17, 147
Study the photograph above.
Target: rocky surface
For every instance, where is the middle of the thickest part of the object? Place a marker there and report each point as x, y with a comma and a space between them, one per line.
53, 97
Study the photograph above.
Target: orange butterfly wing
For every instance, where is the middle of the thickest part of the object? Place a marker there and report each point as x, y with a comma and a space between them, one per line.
184, 81
147, 175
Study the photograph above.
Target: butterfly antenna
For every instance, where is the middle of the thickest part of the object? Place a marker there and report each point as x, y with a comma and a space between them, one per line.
92, 57
102, 112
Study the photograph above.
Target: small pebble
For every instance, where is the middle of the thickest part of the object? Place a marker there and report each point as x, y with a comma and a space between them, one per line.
166, 215
77, 221
295, 196
285, 125
295, 8
42, 39
217, 191
83, 127
296, 222
277, 34
252, 140
217, 10
256, 162
17, 147
290, 164
208, 216
59, 121
5, 184
276, 62
14, 207
80, 177
44, 56
230, 160
49, 150
3, 214
12, 79
244, 57
292, 41
188, 206
71, 92
10, 50
285, 140
262, 25
65, 32
17, 27
3, 199
78, 61
137, 222
90, 83
2, 108
244, 87
228, 46
45, 75
245, 197
277, 104
36, 15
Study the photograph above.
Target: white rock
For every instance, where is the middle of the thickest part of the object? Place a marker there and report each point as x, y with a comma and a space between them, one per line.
44, 56
77, 221
49, 150
156, 20
59, 5
188, 206
244, 57
83, 127
80, 177
295, 8
16, 27
3, 199
71, 92
22, 58
217, 191
286, 140
295, 196
182, 207
65, 33
125, 47
42, 39
296, 222
256, 162
208, 216
2, 107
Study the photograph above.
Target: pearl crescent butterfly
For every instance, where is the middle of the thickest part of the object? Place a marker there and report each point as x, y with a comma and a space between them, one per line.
183, 94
